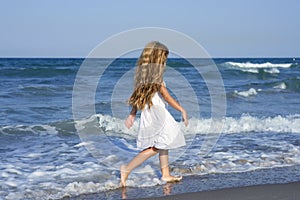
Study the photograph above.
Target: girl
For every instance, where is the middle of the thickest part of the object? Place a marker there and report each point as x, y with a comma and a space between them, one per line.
158, 131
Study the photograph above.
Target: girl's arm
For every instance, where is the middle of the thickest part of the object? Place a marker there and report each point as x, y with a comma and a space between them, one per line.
133, 111
171, 101
130, 119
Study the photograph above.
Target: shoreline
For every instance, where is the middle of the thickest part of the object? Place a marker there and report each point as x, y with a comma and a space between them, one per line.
272, 183
287, 191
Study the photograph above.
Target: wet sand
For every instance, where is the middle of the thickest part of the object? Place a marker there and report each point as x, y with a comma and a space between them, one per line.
289, 191
275, 183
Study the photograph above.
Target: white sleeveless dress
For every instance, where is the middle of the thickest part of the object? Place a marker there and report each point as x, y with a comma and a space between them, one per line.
158, 128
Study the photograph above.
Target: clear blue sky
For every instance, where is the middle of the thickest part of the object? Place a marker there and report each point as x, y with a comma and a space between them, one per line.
226, 28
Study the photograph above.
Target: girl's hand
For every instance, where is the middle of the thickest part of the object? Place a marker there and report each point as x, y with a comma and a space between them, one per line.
129, 121
184, 118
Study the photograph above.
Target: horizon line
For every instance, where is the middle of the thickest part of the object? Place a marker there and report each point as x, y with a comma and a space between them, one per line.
71, 57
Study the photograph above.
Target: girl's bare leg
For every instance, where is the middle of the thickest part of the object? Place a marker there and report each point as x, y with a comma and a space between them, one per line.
135, 162
164, 165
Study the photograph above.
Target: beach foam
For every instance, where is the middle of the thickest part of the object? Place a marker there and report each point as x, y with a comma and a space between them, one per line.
36, 170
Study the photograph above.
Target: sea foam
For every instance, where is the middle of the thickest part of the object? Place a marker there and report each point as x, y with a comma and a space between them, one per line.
250, 92
244, 123
259, 65
115, 126
267, 67
66, 169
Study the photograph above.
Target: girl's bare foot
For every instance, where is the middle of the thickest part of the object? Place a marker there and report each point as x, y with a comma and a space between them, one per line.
124, 175
170, 179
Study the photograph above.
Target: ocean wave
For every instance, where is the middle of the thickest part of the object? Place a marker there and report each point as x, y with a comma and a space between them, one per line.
245, 123
290, 84
54, 128
111, 126
250, 92
281, 86
255, 71
258, 68
258, 65
37, 72
272, 71
248, 123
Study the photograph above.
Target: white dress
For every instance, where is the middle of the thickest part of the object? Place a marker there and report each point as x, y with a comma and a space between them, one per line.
158, 128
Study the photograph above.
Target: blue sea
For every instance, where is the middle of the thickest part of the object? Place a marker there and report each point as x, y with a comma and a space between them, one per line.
44, 157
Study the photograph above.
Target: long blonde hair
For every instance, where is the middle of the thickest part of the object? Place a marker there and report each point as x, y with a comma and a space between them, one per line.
149, 74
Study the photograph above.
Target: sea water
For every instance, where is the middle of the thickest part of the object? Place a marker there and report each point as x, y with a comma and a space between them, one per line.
43, 155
